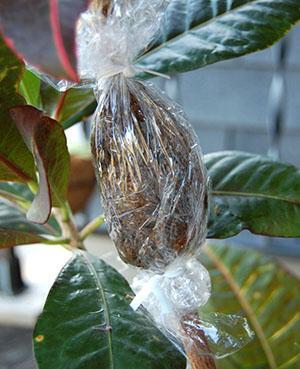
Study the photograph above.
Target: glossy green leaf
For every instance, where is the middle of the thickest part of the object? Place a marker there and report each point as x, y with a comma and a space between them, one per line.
250, 284
16, 161
10, 238
87, 323
80, 115
30, 88
68, 107
201, 32
252, 192
46, 140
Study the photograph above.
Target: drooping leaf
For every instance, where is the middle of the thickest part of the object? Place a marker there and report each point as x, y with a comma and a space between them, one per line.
257, 287
43, 32
30, 88
201, 32
10, 238
87, 323
46, 140
16, 161
68, 107
252, 192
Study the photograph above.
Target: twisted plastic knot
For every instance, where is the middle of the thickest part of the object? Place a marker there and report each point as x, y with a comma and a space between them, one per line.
183, 287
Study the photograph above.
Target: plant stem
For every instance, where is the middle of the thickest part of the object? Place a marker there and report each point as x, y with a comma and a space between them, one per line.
91, 227
65, 219
196, 346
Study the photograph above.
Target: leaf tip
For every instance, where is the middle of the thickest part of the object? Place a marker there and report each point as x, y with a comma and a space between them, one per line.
35, 215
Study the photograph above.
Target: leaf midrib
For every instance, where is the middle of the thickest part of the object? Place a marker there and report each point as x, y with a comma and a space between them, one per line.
196, 27
100, 289
253, 194
245, 305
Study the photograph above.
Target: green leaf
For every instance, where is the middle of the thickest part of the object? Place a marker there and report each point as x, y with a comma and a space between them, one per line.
14, 218
17, 189
80, 115
43, 33
46, 140
248, 283
68, 107
87, 323
15, 199
30, 88
252, 192
10, 238
201, 32
14, 228
16, 161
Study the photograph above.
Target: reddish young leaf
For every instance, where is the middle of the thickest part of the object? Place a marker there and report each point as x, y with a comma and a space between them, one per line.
43, 33
46, 140
16, 161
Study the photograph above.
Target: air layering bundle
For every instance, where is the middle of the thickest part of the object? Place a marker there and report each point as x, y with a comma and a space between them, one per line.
152, 180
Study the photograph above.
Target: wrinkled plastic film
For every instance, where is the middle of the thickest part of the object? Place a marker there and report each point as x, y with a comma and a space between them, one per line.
151, 174
110, 42
60, 85
152, 180
217, 334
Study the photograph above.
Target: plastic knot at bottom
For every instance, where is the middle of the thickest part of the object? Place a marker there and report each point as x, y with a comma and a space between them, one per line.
182, 288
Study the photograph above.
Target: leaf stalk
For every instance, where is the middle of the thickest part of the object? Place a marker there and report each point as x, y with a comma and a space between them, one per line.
65, 219
91, 227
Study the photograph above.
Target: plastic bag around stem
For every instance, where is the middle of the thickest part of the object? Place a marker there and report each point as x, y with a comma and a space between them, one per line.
152, 180
154, 191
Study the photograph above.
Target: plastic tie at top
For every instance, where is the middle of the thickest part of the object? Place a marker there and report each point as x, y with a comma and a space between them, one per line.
109, 44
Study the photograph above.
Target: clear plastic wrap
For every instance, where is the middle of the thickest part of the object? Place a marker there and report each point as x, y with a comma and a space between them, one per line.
110, 40
151, 174
152, 180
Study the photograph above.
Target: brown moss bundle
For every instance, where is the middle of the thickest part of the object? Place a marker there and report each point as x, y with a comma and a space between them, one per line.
150, 172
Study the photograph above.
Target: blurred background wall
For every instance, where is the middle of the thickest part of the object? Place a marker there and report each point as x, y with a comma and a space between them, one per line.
230, 103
